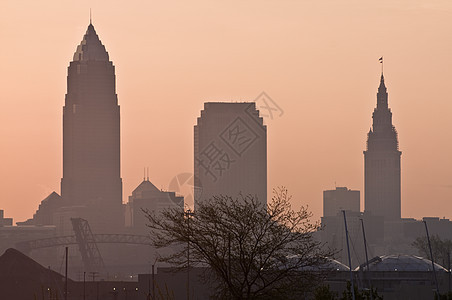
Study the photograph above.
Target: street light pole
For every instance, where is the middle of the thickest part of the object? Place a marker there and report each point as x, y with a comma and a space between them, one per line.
84, 288
188, 214
149, 287
153, 283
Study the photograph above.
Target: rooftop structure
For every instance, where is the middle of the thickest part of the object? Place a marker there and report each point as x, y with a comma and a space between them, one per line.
148, 197
5, 221
405, 263
340, 199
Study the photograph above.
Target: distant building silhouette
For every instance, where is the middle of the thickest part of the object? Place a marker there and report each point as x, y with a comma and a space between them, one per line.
5, 221
91, 138
148, 197
23, 278
333, 228
45, 213
341, 198
230, 151
382, 191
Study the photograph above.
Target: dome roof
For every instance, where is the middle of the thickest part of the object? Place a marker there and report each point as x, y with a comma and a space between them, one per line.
336, 265
407, 263
329, 265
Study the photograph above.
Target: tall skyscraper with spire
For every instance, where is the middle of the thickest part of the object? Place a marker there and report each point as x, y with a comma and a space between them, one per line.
382, 183
91, 182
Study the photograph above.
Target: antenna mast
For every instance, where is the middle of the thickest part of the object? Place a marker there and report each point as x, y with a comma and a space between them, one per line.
349, 259
367, 259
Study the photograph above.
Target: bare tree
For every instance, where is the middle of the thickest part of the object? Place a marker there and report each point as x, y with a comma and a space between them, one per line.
254, 251
441, 249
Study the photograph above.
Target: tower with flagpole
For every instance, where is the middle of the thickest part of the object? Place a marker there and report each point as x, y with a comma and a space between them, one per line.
382, 171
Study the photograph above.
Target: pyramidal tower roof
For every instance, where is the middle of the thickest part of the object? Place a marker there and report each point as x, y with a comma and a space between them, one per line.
91, 47
382, 86
146, 185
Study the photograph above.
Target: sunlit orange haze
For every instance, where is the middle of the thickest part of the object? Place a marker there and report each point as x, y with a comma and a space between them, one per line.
318, 60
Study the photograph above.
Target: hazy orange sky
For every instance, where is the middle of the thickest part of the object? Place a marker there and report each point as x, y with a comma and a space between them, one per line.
318, 60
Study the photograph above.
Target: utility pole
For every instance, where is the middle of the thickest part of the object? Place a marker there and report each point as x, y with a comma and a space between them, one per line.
229, 264
229, 256
153, 283
84, 285
94, 274
149, 286
65, 283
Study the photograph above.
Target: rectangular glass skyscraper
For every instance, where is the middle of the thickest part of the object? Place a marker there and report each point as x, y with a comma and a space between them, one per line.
230, 152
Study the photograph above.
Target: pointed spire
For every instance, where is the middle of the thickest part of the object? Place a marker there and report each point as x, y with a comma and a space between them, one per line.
91, 47
382, 95
90, 19
382, 83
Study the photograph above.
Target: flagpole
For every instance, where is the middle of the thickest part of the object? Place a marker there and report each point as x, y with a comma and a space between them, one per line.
382, 64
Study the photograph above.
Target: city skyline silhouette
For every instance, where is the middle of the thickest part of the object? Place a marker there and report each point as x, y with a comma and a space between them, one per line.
322, 72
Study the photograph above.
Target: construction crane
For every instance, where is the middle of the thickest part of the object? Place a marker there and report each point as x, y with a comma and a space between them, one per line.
92, 260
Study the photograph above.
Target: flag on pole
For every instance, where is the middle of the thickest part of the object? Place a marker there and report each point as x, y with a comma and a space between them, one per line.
380, 60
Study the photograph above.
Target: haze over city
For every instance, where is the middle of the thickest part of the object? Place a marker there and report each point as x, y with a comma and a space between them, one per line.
317, 61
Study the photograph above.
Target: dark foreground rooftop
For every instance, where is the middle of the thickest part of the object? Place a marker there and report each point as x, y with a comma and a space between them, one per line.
23, 278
